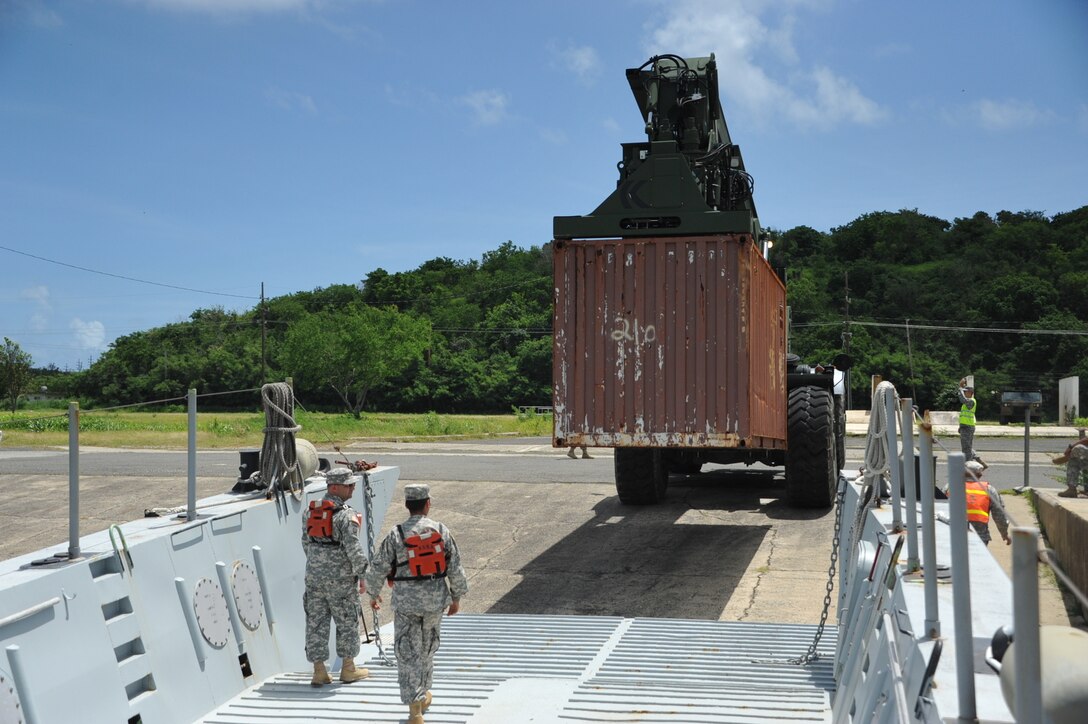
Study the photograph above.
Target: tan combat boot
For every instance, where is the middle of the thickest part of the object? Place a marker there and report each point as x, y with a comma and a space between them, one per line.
415, 713
348, 672
426, 703
321, 675
1068, 493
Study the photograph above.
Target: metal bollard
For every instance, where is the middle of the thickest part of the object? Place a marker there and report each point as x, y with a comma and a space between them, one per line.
910, 487
897, 513
929, 533
1025, 622
191, 508
73, 481
961, 589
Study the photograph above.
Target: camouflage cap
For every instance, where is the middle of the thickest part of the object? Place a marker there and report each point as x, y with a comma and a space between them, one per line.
417, 492
339, 476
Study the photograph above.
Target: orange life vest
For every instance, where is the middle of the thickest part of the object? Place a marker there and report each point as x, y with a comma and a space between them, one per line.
978, 501
319, 522
426, 557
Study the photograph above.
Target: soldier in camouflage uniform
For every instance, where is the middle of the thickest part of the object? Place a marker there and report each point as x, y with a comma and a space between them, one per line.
1075, 458
419, 597
335, 570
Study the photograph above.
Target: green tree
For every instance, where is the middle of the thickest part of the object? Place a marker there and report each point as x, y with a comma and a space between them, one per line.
352, 350
14, 373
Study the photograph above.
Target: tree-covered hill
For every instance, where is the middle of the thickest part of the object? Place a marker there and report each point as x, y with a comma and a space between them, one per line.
1004, 298
918, 300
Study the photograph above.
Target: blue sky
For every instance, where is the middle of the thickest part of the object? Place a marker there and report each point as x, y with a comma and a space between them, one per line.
212, 145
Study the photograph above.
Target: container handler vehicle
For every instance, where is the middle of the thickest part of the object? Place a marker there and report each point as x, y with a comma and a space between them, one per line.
670, 326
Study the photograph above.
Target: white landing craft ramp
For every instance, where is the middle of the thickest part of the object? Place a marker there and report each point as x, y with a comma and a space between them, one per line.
510, 668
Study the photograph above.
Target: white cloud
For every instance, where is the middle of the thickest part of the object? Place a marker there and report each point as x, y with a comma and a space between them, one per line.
582, 61
1008, 115
290, 100
745, 46
88, 335
39, 294
838, 99
488, 106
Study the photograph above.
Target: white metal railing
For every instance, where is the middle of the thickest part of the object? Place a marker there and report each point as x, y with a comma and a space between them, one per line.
884, 670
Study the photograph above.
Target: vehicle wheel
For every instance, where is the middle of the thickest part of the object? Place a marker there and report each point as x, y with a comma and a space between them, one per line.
811, 474
641, 476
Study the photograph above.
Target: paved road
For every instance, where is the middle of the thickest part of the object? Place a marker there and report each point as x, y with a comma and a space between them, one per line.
522, 460
541, 533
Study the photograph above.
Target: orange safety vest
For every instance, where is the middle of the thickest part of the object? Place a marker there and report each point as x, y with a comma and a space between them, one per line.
426, 557
978, 501
319, 522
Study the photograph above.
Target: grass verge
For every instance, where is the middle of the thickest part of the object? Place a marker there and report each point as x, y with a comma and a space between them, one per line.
217, 430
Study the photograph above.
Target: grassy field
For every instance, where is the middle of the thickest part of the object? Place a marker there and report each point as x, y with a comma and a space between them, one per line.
169, 430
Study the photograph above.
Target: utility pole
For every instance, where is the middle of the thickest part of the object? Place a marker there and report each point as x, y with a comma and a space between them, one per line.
846, 335
264, 338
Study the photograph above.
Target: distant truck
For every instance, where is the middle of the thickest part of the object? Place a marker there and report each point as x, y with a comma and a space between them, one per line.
669, 325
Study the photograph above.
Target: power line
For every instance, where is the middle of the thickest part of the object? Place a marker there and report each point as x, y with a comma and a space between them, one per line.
947, 328
122, 276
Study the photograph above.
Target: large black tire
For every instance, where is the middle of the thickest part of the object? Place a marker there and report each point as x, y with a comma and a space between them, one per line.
811, 473
641, 475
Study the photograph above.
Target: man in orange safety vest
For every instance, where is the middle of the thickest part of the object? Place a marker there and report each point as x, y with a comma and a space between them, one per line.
983, 502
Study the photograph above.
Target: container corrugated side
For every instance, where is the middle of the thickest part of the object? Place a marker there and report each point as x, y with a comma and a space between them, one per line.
668, 342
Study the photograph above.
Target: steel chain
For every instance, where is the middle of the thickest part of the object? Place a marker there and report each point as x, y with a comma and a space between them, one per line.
811, 654
368, 506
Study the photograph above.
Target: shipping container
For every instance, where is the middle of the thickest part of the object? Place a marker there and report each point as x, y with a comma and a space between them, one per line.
668, 342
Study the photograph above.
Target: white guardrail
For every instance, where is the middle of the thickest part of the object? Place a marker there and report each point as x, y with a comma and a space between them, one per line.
908, 647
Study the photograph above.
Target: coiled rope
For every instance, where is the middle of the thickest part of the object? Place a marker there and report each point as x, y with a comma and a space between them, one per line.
279, 464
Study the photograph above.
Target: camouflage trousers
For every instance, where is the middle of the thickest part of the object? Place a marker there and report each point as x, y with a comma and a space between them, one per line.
417, 637
1077, 465
322, 606
967, 442
983, 530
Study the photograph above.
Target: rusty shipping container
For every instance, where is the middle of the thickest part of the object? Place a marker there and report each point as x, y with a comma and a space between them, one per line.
668, 342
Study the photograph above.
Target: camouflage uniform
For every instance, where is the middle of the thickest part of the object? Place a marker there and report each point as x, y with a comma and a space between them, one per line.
1077, 465
997, 514
333, 573
417, 605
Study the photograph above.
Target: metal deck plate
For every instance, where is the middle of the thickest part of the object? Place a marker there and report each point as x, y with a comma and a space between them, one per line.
509, 668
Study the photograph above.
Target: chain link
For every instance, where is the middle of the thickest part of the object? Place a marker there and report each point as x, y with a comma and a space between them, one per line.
368, 508
811, 654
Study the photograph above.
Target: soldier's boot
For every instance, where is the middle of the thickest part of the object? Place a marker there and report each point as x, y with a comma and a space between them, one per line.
321, 675
426, 703
570, 454
1070, 492
415, 713
348, 672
